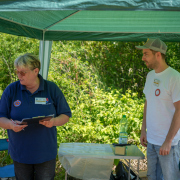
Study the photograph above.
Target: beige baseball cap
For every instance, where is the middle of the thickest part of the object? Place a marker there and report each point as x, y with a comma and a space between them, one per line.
154, 44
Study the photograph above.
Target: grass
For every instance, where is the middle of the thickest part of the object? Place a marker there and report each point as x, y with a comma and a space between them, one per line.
60, 171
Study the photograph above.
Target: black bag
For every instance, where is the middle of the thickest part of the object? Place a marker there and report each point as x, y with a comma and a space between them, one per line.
122, 172
112, 177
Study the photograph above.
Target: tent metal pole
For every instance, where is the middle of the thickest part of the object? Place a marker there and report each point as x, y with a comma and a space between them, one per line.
44, 56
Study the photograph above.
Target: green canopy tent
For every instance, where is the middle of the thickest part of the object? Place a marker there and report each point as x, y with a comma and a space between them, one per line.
97, 20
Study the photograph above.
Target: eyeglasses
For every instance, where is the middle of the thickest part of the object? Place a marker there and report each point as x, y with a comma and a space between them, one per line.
22, 73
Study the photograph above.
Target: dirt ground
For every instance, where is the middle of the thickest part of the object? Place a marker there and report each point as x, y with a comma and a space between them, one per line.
142, 168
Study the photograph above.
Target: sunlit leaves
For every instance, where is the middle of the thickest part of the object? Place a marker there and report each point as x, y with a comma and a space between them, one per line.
10, 48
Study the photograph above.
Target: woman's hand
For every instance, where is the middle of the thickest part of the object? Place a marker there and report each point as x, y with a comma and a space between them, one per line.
16, 127
56, 121
48, 124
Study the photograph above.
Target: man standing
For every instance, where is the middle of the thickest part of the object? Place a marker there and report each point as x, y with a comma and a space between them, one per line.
161, 113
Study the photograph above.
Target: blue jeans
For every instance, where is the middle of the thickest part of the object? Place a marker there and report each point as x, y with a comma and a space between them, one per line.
163, 167
42, 171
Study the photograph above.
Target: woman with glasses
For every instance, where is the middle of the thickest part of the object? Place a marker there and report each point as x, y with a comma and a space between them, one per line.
33, 146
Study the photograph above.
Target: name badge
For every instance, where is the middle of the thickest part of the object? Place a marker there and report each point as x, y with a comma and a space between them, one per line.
156, 82
40, 100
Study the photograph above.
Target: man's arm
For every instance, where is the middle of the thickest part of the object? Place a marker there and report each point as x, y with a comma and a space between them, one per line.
175, 125
143, 137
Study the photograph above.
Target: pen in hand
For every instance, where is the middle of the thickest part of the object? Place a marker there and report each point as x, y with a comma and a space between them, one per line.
14, 122
17, 124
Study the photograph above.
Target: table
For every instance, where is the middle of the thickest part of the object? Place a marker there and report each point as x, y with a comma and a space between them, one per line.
90, 161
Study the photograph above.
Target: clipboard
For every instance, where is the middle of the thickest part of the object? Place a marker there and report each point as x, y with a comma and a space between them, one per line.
36, 120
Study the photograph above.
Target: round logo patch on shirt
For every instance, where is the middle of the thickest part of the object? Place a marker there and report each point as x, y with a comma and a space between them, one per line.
17, 103
157, 92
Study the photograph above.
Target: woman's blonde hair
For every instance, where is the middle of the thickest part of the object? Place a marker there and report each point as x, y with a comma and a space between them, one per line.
28, 60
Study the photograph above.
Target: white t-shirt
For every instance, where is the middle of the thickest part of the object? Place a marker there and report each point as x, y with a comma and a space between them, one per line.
161, 91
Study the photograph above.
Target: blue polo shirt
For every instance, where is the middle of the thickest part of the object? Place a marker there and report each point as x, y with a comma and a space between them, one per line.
36, 143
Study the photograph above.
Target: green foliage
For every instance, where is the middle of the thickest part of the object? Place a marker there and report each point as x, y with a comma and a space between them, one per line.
173, 56
118, 64
10, 48
105, 113
114, 64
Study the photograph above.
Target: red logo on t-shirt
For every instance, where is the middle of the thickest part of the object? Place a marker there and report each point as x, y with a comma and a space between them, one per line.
157, 92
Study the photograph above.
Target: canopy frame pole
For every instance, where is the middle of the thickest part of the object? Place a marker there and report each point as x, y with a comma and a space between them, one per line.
44, 56
61, 20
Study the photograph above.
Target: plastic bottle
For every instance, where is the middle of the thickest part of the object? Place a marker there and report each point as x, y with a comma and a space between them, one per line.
123, 135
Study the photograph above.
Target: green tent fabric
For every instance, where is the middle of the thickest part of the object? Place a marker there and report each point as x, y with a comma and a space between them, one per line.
91, 4
99, 20
96, 20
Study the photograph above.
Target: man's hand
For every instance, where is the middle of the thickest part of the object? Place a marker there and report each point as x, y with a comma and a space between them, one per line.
165, 149
143, 139
175, 126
